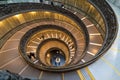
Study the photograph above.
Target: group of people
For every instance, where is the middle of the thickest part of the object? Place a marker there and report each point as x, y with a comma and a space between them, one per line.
41, 1
31, 55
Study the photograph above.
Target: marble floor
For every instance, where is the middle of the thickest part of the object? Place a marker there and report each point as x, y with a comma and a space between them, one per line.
108, 66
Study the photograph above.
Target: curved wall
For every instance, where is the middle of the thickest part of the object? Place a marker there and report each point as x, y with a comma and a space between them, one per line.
13, 19
106, 19
81, 6
89, 9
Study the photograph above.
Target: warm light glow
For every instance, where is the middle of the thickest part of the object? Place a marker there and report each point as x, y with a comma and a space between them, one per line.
47, 12
33, 12
1, 22
92, 37
91, 7
17, 15
48, 55
34, 50
95, 51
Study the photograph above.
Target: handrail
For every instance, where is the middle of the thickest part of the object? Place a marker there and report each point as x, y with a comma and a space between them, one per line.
60, 3
110, 22
111, 33
24, 8
27, 36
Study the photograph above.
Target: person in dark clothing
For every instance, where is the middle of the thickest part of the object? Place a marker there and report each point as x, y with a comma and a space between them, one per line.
42, 37
41, 1
62, 5
52, 3
31, 55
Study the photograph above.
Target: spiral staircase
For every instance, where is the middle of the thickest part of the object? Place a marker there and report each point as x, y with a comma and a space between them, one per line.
55, 39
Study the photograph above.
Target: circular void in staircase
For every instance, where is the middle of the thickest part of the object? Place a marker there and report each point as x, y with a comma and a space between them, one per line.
73, 42
69, 25
65, 33
51, 46
55, 57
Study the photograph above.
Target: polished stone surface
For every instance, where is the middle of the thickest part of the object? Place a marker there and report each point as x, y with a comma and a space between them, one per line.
108, 67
